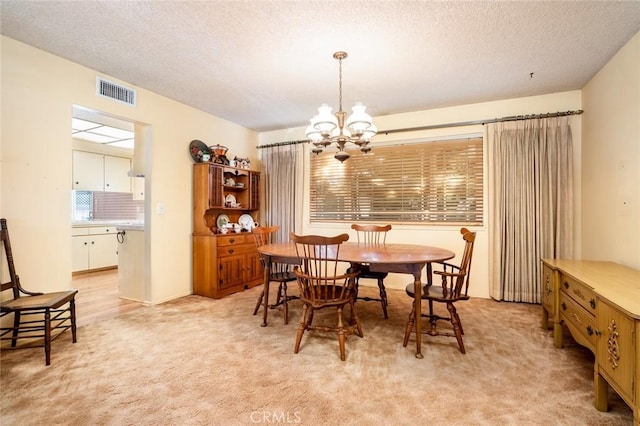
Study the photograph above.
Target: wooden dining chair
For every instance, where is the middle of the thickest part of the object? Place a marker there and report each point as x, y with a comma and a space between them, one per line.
372, 235
321, 286
279, 272
455, 284
45, 312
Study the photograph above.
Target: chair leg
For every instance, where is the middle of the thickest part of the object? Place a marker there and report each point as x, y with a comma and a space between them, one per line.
457, 329
409, 328
302, 326
285, 299
355, 320
356, 287
341, 334
72, 311
383, 297
47, 337
16, 329
279, 297
433, 319
259, 303
265, 304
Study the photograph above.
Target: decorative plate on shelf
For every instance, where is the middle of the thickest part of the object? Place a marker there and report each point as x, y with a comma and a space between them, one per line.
222, 220
197, 148
231, 199
246, 221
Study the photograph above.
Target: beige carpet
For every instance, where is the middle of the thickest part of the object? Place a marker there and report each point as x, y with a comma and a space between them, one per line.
198, 361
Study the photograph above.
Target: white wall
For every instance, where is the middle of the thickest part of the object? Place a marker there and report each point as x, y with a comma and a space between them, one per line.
611, 155
449, 237
38, 92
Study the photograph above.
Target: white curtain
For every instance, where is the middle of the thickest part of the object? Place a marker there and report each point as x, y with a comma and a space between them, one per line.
282, 179
531, 213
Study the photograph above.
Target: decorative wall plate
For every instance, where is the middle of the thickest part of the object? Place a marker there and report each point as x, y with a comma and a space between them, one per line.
222, 220
246, 221
230, 199
197, 148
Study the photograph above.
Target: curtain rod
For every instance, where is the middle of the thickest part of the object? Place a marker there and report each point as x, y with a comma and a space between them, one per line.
483, 122
283, 143
458, 124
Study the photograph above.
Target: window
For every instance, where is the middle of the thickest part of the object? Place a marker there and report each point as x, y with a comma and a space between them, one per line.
436, 182
82, 207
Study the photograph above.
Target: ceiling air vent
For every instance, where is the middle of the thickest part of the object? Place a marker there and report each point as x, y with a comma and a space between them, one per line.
115, 91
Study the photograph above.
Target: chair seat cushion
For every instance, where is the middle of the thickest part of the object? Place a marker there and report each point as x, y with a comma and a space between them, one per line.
433, 292
42, 301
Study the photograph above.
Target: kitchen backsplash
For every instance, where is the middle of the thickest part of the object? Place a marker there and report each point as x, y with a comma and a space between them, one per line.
98, 205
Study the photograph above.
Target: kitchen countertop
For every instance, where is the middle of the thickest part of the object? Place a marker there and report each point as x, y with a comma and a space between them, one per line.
130, 227
119, 224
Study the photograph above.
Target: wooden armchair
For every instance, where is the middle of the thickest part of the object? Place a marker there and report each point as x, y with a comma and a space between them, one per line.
455, 283
278, 272
45, 310
372, 235
322, 287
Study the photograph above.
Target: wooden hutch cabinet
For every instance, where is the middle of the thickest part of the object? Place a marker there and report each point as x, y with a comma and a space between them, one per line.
224, 263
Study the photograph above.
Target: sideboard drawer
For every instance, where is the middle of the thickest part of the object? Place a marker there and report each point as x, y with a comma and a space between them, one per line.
582, 294
234, 239
235, 249
580, 320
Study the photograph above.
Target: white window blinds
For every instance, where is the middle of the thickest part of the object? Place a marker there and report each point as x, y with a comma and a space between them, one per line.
437, 182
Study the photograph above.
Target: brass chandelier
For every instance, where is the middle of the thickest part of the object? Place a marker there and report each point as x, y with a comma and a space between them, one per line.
327, 128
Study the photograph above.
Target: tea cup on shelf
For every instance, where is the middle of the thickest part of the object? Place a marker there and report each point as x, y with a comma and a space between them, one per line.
223, 230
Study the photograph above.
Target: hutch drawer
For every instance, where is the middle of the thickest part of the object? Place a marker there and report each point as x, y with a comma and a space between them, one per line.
234, 239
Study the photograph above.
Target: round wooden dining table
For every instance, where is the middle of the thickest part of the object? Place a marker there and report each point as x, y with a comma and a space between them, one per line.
396, 258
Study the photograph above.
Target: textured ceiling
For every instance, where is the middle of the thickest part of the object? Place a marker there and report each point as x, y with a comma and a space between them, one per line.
267, 64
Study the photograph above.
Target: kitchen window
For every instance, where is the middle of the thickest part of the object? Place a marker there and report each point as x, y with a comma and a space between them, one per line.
437, 182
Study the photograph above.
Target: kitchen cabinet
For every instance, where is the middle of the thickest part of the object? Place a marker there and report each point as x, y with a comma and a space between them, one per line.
224, 263
98, 172
93, 248
138, 188
131, 275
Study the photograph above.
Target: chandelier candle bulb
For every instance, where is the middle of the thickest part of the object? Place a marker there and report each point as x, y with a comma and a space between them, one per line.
327, 128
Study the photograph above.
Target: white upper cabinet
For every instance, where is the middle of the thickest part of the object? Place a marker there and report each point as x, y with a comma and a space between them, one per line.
116, 178
88, 171
98, 172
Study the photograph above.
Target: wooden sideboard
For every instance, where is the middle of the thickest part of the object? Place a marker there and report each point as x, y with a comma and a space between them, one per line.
599, 302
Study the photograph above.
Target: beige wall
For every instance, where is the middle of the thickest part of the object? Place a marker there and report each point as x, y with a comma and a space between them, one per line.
611, 160
38, 92
39, 89
449, 237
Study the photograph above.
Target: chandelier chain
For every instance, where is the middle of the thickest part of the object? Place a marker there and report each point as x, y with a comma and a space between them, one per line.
340, 83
